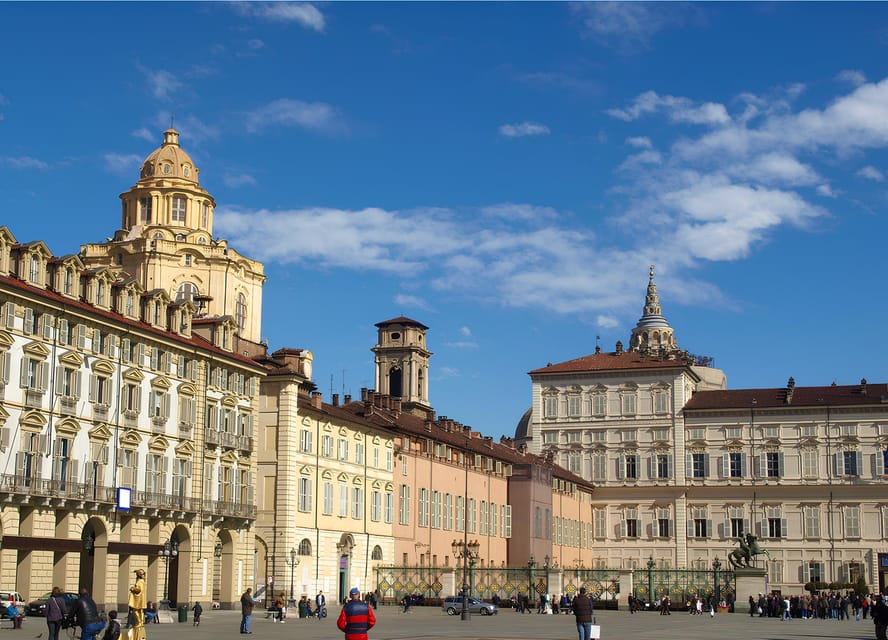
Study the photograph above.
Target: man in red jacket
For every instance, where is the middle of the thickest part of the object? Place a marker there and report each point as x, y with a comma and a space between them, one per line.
356, 617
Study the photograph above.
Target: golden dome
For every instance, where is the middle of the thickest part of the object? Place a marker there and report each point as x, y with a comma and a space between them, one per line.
169, 162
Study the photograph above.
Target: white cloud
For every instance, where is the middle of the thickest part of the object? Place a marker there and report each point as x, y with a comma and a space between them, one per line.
513, 211
678, 109
235, 180
145, 134
465, 331
255, 44
442, 373
640, 159
826, 191
640, 142
463, 344
607, 322
303, 13
628, 26
776, 168
871, 173
851, 76
313, 116
523, 129
162, 84
4, 101
22, 162
122, 163
415, 302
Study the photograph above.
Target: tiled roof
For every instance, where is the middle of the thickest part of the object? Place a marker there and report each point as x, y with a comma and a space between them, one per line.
611, 361
832, 396
401, 320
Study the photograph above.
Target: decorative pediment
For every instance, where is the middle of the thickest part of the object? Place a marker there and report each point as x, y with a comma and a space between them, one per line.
599, 388
33, 421
359, 436
376, 440
6, 340
389, 444
228, 458
72, 359
735, 445
133, 375
305, 470
629, 386
4, 415
158, 444
342, 477
68, 427
187, 389
131, 439
161, 382
306, 422
548, 391
229, 401
343, 431
104, 367
660, 386
184, 449
37, 349
377, 484
327, 474
327, 427
358, 480
389, 487
575, 388
6, 236
100, 432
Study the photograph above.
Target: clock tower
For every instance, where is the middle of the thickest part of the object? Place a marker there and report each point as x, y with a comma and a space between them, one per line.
402, 363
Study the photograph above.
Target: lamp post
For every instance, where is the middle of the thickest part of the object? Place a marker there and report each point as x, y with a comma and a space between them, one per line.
468, 552
170, 550
530, 565
650, 567
716, 566
752, 461
293, 562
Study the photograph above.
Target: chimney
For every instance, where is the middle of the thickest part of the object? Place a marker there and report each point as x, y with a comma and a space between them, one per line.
363, 394
619, 347
347, 399
863, 386
597, 349
335, 399
396, 405
790, 387
316, 399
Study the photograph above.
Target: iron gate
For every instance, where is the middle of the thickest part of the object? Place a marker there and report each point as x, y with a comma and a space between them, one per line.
601, 584
682, 585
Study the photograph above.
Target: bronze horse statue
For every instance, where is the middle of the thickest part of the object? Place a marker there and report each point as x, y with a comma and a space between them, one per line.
749, 548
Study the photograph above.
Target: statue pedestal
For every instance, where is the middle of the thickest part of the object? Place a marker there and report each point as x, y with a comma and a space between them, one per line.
750, 581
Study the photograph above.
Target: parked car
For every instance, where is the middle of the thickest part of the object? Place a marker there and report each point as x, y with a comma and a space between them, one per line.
38, 607
454, 604
7, 597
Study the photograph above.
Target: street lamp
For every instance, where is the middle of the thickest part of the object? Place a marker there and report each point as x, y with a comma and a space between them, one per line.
650, 566
716, 565
468, 552
530, 565
293, 562
170, 550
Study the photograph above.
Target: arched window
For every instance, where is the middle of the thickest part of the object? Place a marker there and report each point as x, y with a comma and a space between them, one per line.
240, 313
377, 553
186, 291
304, 547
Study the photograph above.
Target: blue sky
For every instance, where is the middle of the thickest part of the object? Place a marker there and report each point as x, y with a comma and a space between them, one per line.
503, 173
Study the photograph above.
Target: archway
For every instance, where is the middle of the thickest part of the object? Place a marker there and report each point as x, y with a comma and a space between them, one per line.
344, 547
395, 383
223, 570
94, 559
179, 580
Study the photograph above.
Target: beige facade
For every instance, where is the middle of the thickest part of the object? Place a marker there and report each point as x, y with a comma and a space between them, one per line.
104, 387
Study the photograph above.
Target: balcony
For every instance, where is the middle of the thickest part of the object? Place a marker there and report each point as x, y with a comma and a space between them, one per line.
245, 443
100, 412
229, 439
40, 487
234, 509
211, 436
33, 399
130, 419
158, 424
68, 406
186, 430
165, 501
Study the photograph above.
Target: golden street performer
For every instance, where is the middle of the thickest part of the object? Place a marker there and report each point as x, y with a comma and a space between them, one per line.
136, 604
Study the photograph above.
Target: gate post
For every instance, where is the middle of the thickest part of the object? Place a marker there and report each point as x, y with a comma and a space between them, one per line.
556, 577
627, 587
448, 580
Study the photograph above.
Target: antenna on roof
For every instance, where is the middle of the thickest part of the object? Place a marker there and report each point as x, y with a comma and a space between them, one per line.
172, 120
597, 338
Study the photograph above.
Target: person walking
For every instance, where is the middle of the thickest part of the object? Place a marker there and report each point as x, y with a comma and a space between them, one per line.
198, 612
56, 610
321, 602
582, 610
356, 618
86, 616
879, 614
246, 610
136, 603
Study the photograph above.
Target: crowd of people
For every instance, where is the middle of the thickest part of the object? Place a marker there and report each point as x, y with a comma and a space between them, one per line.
830, 605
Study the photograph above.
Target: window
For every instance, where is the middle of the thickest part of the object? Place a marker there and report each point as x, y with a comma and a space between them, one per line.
68, 382
181, 471
100, 293
357, 503
699, 465
375, 506
305, 441
328, 498
661, 404
627, 466
776, 528
159, 405
599, 466
629, 403
733, 433
773, 464
240, 313
205, 215
852, 522
34, 270
460, 514
63, 467
471, 514
343, 500
775, 571
812, 521
699, 526
389, 460
186, 291
664, 466
448, 512
629, 525
483, 518
550, 437
493, 517
575, 462
423, 507
850, 461
662, 524
389, 507
599, 522
436, 509
812, 571
550, 406
599, 404
304, 547
178, 209
145, 209
34, 375
154, 473
359, 453
738, 527
305, 495
661, 435
327, 446
376, 457
574, 406
404, 505
735, 464
507, 520
696, 434
810, 467
342, 449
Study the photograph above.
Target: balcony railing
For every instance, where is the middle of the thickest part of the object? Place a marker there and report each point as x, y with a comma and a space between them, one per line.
245, 443
130, 418
166, 501
229, 439
211, 436
158, 424
33, 398
235, 509
186, 430
100, 412
68, 406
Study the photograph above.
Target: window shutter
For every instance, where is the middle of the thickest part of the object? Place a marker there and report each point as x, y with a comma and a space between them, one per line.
9, 312
81, 336
64, 333
155, 358
839, 463
746, 528
669, 467
167, 362
24, 378
192, 411
744, 465
43, 371
140, 354
193, 375
73, 470
859, 456
93, 387
126, 347
652, 467
621, 466
112, 346
689, 466
655, 526
879, 463
622, 528
806, 573
5, 364
725, 466
152, 402
780, 467
783, 528
709, 531
29, 321
250, 425
59, 380
706, 465
138, 403
763, 529
757, 466
165, 405
97, 341
691, 531
4, 438
46, 322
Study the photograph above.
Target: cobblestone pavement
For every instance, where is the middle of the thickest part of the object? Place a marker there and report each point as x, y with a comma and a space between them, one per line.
427, 623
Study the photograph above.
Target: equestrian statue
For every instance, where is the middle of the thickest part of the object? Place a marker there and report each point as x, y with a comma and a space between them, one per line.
749, 548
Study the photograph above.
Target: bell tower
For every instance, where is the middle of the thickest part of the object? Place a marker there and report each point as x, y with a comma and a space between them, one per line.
652, 334
402, 363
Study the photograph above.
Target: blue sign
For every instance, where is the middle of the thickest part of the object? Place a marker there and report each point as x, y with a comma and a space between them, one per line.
124, 498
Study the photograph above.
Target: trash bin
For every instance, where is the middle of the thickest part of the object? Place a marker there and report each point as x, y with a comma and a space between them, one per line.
183, 613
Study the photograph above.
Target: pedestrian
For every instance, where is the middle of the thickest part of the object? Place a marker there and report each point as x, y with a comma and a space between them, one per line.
113, 630
136, 604
356, 618
321, 602
198, 611
879, 614
582, 610
56, 610
246, 610
86, 616
14, 614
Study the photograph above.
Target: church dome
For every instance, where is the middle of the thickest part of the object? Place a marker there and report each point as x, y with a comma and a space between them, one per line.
169, 162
